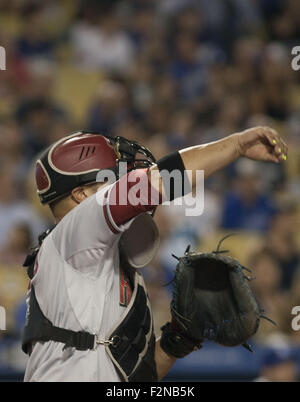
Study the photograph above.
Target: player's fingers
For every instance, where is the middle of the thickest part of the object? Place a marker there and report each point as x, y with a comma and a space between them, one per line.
279, 146
285, 147
281, 150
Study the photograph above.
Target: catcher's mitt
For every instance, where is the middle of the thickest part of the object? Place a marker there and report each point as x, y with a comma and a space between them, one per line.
212, 300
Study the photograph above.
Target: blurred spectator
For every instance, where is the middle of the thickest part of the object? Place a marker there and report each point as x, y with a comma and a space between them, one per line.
100, 43
34, 41
293, 167
267, 287
12, 148
274, 73
187, 68
40, 77
144, 22
246, 206
109, 108
278, 365
17, 245
37, 116
281, 242
181, 126
284, 20
14, 210
141, 85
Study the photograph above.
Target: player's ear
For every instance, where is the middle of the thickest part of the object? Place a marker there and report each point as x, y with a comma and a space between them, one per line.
78, 194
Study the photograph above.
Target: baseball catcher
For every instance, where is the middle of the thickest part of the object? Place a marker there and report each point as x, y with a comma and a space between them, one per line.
89, 316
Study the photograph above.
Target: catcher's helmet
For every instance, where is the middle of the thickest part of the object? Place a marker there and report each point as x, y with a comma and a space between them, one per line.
75, 160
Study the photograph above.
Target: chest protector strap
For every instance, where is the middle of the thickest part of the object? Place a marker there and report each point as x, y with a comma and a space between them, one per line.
39, 328
133, 350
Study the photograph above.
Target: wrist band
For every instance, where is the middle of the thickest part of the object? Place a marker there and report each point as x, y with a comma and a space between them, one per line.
174, 176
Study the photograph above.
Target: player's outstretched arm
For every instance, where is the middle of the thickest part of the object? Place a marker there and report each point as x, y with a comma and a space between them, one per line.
258, 143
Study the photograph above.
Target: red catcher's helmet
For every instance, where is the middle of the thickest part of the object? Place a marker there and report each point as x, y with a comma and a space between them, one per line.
75, 160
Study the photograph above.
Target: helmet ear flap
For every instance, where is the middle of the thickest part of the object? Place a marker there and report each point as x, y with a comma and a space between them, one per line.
42, 178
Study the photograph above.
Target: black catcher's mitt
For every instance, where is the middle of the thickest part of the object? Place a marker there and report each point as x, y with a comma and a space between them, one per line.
212, 300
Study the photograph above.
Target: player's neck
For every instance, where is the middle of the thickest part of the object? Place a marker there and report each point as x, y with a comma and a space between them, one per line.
59, 211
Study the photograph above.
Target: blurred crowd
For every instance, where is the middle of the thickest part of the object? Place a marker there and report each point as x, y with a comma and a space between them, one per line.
169, 74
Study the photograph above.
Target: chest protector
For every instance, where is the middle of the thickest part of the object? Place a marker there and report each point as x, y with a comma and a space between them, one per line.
130, 344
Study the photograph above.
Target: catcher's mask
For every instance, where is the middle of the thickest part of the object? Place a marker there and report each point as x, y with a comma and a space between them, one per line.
75, 160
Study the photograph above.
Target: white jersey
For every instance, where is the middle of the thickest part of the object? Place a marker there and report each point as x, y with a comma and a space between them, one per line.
77, 286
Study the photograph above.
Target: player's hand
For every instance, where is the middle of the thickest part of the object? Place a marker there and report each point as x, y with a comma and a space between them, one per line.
262, 144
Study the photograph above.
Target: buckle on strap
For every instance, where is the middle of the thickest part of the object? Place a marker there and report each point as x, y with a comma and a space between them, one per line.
114, 341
